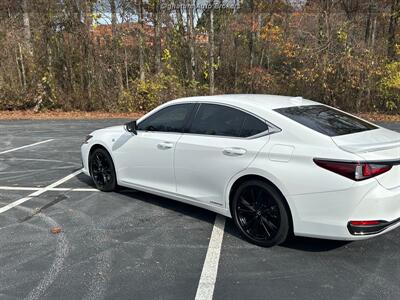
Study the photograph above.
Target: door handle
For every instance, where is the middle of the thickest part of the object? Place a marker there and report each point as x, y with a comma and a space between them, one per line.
234, 151
165, 145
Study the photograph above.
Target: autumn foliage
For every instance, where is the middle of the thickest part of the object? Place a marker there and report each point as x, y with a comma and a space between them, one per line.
130, 56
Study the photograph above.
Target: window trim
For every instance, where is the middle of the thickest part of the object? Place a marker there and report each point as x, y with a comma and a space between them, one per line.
271, 127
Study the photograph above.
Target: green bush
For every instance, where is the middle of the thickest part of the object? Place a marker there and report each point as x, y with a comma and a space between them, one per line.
389, 87
148, 94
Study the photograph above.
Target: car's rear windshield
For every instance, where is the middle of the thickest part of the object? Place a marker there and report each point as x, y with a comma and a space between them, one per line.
325, 120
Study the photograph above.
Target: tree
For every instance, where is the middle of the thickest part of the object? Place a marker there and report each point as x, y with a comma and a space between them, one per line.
211, 48
141, 41
192, 72
157, 34
394, 16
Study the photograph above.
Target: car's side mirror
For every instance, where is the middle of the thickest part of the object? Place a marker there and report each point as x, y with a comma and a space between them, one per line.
131, 127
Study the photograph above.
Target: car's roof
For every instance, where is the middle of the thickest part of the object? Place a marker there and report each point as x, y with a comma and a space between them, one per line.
264, 102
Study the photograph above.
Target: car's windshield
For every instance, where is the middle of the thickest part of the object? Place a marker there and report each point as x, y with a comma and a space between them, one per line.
325, 120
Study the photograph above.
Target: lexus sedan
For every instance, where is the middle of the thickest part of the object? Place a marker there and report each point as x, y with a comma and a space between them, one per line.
279, 166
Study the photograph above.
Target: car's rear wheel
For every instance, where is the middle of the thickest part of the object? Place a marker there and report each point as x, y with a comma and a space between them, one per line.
102, 170
259, 212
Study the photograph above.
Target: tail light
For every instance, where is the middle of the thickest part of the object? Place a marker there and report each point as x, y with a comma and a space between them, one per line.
365, 223
354, 170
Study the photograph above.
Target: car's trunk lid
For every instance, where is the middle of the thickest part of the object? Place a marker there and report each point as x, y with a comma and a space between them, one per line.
378, 145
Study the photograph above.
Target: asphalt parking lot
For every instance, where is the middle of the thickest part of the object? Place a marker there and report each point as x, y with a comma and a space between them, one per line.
138, 246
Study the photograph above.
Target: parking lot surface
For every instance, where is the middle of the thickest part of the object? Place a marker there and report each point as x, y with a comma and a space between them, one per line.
135, 245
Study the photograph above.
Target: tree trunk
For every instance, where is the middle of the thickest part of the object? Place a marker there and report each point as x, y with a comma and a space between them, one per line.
157, 35
21, 60
191, 41
126, 69
252, 39
395, 11
141, 42
236, 46
87, 80
27, 27
181, 39
321, 21
113, 19
211, 46
373, 34
114, 32
370, 30
368, 26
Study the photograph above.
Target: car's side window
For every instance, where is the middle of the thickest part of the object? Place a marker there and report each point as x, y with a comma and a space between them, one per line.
214, 119
253, 126
169, 119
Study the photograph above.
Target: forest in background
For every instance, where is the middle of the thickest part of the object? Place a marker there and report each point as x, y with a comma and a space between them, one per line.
132, 55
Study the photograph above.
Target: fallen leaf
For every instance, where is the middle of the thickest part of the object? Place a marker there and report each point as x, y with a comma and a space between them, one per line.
55, 230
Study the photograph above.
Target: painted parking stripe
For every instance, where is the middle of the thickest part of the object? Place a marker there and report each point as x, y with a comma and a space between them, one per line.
57, 183
26, 146
16, 188
205, 289
24, 188
38, 192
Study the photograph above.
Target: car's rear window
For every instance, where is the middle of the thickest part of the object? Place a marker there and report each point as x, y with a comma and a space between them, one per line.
325, 120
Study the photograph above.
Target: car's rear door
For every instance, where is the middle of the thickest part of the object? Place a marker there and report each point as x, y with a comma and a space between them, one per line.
220, 142
146, 159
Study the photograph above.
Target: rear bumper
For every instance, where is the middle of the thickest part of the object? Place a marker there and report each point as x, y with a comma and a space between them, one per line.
327, 215
371, 229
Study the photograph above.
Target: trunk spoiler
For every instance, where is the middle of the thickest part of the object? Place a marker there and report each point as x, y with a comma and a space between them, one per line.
369, 147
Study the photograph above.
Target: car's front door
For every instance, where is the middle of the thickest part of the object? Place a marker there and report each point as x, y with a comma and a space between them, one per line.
146, 159
220, 142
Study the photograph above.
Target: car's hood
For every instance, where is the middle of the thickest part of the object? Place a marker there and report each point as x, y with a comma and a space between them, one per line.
112, 129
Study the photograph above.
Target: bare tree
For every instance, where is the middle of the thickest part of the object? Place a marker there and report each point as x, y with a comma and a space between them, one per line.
27, 26
211, 48
394, 16
370, 29
157, 35
191, 40
252, 40
236, 47
141, 41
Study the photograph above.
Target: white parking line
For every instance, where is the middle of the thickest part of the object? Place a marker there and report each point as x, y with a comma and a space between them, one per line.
57, 183
17, 188
26, 146
24, 188
39, 192
205, 290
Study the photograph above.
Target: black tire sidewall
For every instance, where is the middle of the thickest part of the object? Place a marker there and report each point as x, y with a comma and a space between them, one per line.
113, 183
284, 227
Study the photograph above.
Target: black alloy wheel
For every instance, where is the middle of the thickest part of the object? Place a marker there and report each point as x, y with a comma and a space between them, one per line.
260, 214
102, 170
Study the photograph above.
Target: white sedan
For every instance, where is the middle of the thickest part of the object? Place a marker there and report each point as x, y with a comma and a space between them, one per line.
277, 165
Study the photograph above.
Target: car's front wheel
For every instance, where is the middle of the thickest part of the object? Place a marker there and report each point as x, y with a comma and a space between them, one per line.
259, 212
102, 170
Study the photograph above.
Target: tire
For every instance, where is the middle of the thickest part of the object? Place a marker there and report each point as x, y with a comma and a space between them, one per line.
102, 170
260, 214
